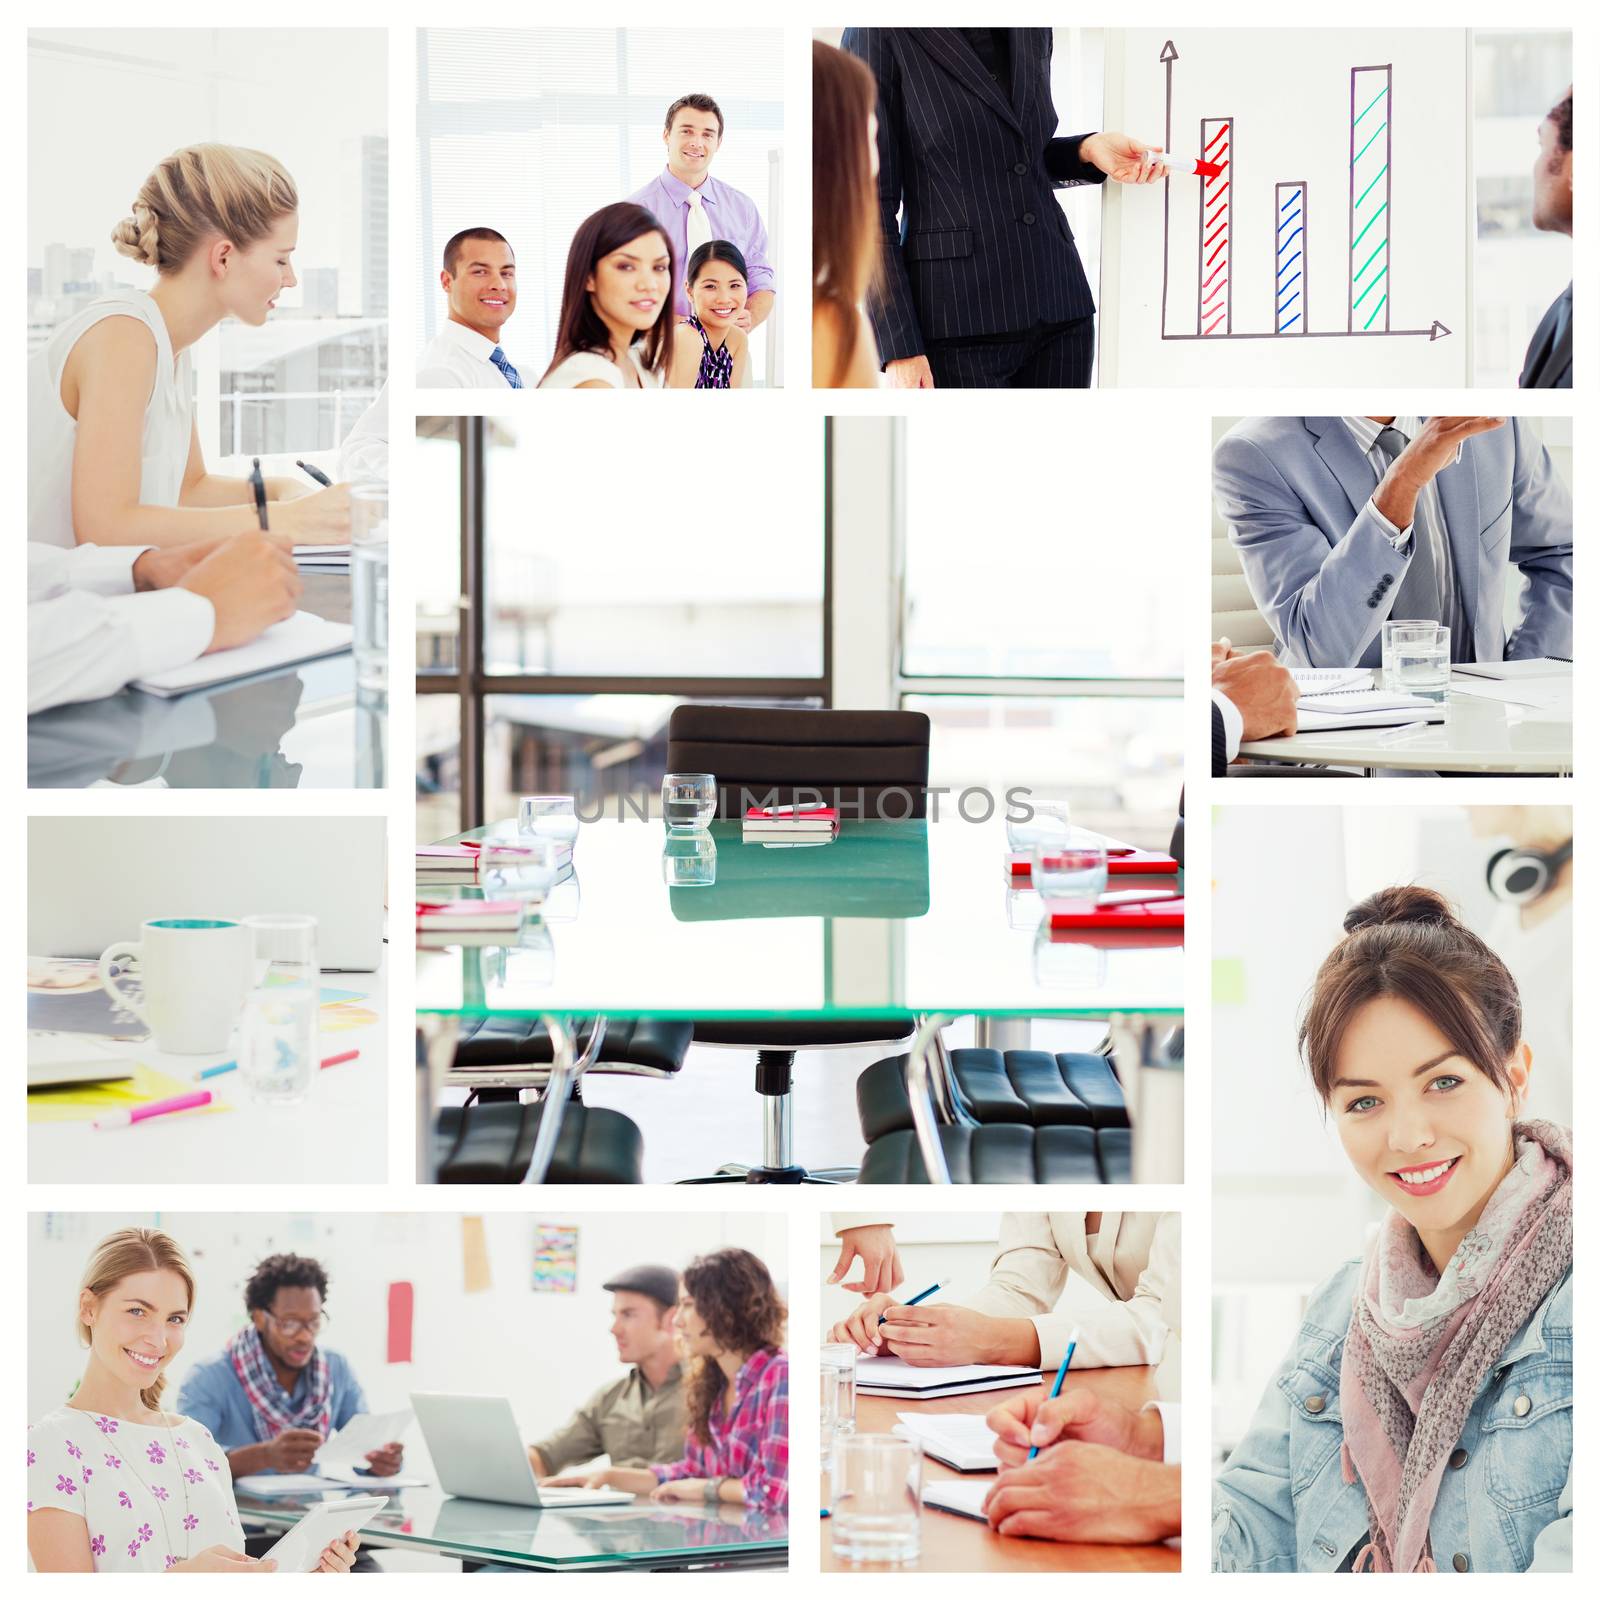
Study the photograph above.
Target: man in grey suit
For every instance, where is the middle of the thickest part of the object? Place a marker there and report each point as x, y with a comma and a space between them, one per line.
1344, 522
1549, 360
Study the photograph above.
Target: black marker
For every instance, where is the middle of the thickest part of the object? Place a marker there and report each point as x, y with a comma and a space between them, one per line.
311, 472
258, 486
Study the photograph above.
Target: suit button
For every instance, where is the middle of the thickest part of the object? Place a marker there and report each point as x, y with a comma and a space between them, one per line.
1315, 1404
1460, 1562
1021, 169
1372, 605
1028, 217
1458, 1458
1522, 1405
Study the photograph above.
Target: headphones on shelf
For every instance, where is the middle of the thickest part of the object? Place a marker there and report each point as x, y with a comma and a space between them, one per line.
1520, 876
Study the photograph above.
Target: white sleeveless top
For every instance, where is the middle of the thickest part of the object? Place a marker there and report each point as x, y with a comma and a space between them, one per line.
53, 433
582, 366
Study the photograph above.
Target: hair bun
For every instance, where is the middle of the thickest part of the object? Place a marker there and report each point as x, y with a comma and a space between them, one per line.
1405, 902
137, 236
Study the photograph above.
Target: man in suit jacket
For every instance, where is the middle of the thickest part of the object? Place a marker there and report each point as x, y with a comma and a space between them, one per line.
1549, 362
982, 286
1343, 522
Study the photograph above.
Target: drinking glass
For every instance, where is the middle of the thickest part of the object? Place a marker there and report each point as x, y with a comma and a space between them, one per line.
841, 1358
689, 861
828, 1421
1050, 819
877, 1497
278, 1041
688, 800
369, 583
555, 815
1416, 659
525, 870
1071, 866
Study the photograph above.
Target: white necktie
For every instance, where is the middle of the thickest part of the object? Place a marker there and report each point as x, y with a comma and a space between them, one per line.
697, 230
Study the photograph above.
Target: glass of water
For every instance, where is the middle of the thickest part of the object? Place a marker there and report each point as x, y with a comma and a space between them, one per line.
278, 1045
1416, 659
526, 870
688, 800
369, 583
1071, 866
828, 1422
555, 815
841, 1358
877, 1497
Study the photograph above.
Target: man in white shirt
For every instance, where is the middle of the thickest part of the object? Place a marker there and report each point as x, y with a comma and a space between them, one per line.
364, 455
480, 280
100, 617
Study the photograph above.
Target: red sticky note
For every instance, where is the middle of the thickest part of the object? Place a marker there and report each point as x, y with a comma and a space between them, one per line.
400, 1304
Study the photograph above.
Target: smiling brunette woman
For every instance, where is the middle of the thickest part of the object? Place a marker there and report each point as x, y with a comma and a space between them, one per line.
116, 1484
1423, 1418
113, 449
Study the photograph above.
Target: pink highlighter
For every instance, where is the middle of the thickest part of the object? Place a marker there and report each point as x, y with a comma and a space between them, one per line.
156, 1108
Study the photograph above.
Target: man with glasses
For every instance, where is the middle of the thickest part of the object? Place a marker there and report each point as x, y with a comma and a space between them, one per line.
272, 1396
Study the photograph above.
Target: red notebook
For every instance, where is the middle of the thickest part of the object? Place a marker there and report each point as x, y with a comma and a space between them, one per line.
485, 916
818, 815
1138, 862
1135, 918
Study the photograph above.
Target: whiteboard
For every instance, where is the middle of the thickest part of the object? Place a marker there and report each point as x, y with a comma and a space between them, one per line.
1333, 246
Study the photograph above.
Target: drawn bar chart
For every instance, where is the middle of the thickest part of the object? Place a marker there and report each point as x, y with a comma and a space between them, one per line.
1371, 142
1291, 283
1214, 308
1368, 269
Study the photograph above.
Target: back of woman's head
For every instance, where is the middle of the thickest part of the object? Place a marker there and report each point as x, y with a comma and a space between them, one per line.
580, 326
712, 251
202, 191
844, 208
1406, 943
120, 1255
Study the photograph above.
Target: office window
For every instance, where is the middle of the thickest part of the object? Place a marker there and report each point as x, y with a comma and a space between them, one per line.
438, 766
528, 131
297, 384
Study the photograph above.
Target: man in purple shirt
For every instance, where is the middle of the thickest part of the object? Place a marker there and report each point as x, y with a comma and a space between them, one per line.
688, 201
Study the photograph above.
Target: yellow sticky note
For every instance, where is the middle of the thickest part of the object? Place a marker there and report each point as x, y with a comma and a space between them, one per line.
474, 1256
1227, 981
85, 1101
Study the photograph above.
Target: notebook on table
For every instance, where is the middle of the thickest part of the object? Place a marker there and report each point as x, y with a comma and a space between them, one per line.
302, 637
890, 1375
1363, 708
957, 1438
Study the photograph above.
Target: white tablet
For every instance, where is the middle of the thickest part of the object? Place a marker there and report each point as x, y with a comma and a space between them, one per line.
300, 1549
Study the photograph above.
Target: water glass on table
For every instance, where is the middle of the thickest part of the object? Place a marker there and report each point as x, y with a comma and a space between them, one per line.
876, 1503
841, 1359
553, 815
1416, 659
688, 800
369, 583
278, 1039
525, 870
1070, 866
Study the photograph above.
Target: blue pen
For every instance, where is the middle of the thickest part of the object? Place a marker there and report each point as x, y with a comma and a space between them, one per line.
917, 1299
216, 1072
1061, 1378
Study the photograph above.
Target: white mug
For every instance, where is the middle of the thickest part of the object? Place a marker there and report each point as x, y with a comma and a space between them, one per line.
195, 973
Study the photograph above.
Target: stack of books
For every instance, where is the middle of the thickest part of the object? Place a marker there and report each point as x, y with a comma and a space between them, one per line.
790, 825
444, 864
441, 923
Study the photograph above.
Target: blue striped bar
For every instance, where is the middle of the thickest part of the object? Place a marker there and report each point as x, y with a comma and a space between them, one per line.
1290, 258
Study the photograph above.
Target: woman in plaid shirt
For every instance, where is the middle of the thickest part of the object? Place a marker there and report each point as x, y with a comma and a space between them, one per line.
736, 1393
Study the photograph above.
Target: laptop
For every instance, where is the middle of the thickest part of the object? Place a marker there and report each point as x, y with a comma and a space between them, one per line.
478, 1453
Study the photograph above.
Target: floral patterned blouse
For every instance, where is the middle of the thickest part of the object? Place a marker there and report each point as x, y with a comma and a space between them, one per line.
151, 1496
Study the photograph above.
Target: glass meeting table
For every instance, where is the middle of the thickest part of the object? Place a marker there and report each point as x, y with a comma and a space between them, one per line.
916, 920
646, 1536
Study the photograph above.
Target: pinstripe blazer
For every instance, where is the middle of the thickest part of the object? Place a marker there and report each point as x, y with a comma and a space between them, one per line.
975, 241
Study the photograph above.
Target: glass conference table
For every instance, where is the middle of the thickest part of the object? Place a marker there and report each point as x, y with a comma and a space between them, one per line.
644, 1537
905, 920
302, 727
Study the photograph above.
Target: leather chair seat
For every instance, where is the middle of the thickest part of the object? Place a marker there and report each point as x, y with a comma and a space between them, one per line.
1005, 1152
1031, 1088
525, 1042
493, 1143
772, 1033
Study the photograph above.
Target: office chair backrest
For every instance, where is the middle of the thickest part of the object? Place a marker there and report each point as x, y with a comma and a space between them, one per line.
870, 764
1233, 609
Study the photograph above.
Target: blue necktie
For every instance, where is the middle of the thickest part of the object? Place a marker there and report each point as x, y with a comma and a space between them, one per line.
513, 377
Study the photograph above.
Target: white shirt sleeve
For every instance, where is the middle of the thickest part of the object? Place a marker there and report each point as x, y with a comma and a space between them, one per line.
1398, 537
1171, 1431
1232, 721
83, 645
99, 569
365, 453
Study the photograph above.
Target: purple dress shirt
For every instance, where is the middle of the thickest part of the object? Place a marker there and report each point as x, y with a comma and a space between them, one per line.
733, 216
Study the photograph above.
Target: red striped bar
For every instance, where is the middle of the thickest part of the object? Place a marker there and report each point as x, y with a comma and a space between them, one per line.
1214, 303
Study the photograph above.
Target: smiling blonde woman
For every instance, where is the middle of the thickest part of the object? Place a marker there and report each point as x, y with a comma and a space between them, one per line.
1422, 1420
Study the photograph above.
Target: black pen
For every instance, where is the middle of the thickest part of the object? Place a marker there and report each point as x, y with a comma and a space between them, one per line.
311, 472
258, 486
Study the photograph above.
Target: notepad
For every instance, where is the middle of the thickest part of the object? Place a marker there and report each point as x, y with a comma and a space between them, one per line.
1363, 708
1533, 667
962, 1496
84, 1102
367, 1430
959, 1440
302, 637
1324, 680
889, 1375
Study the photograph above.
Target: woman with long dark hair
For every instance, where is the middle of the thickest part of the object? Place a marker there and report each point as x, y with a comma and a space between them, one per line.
710, 350
735, 1391
615, 327
845, 237
1422, 1420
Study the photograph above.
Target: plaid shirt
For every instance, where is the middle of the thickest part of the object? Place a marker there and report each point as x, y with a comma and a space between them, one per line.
752, 1444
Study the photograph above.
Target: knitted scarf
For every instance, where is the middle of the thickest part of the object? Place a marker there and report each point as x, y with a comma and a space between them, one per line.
1421, 1343
271, 1409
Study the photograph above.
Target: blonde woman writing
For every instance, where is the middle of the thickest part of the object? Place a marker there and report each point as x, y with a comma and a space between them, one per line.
113, 451
116, 1484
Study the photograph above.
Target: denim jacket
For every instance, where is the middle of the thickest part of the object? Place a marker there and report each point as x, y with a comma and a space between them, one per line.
1281, 1503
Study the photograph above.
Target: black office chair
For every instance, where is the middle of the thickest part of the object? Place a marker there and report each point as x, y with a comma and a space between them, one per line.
871, 765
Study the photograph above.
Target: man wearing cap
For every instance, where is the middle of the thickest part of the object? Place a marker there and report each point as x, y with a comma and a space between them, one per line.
638, 1419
